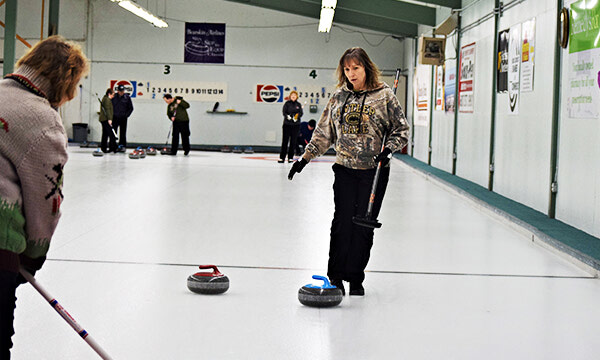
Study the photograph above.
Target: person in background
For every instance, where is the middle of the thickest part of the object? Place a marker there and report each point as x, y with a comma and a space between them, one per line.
362, 115
305, 134
106, 116
177, 113
122, 109
292, 113
33, 153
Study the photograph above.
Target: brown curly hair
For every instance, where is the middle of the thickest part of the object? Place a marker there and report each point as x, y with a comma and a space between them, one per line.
61, 62
357, 54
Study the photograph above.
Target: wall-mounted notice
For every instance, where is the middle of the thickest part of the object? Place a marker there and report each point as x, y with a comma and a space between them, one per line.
502, 70
422, 84
190, 90
527, 55
465, 79
514, 66
439, 88
204, 43
583, 99
450, 88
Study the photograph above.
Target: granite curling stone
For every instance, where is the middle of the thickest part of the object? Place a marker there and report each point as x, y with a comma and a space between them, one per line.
325, 295
208, 282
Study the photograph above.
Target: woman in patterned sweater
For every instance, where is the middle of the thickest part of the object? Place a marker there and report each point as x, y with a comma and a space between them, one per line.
33, 152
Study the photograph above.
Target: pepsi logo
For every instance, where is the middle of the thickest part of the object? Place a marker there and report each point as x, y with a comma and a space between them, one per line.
269, 93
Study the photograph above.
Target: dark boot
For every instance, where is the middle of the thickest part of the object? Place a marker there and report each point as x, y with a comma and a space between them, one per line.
339, 284
357, 289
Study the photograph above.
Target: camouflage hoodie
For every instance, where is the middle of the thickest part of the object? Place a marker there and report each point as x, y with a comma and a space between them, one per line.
367, 116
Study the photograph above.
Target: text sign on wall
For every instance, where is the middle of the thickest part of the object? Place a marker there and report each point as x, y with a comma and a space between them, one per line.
514, 69
190, 90
465, 79
204, 43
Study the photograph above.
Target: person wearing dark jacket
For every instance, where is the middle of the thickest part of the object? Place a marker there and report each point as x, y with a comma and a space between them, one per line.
292, 112
366, 124
122, 109
177, 113
306, 131
106, 119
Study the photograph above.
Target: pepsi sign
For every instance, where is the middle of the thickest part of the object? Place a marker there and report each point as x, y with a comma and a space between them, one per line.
130, 86
269, 93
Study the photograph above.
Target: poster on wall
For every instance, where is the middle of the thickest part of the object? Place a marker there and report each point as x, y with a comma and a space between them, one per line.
527, 55
422, 83
449, 89
204, 43
583, 99
308, 94
439, 88
465, 79
514, 66
502, 70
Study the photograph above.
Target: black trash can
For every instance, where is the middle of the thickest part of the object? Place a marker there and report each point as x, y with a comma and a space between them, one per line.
80, 132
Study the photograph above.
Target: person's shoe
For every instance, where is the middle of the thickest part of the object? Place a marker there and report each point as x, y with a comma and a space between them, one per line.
280, 161
339, 284
290, 161
357, 289
186, 153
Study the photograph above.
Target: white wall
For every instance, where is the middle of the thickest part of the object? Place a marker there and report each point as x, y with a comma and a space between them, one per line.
578, 197
121, 46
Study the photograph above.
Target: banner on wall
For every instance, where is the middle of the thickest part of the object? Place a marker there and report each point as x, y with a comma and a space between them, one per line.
190, 90
204, 43
449, 89
527, 55
308, 94
514, 61
502, 70
583, 99
465, 79
422, 83
439, 88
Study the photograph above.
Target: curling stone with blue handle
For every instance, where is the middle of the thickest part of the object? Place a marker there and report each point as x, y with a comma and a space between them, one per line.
325, 295
98, 152
150, 151
208, 282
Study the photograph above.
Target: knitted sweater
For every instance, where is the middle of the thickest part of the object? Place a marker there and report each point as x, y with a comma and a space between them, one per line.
33, 152
367, 116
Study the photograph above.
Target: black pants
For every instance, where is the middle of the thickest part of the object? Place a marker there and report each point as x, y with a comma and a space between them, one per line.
290, 135
106, 135
350, 244
121, 123
183, 128
8, 286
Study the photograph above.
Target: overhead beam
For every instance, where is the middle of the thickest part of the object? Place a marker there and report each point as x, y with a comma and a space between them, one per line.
388, 9
342, 16
453, 4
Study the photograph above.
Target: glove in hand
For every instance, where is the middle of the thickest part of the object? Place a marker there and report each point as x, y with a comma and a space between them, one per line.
384, 157
297, 168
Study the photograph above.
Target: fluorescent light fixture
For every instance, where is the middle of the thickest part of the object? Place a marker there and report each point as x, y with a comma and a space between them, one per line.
327, 11
141, 12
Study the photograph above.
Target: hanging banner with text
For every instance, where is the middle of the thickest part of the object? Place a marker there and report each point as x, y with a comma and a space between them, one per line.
439, 88
527, 55
583, 99
204, 43
514, 67
465, 79
450, 88
190, 90
502, 70
422, 85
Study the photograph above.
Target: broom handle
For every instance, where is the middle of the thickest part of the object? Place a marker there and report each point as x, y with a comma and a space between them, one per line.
65, 315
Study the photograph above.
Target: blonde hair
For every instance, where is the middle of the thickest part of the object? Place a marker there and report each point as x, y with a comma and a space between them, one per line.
293, 92
357, 54
61, 62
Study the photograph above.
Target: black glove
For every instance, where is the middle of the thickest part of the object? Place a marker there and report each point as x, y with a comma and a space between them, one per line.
30, 265
297, 167
384, 157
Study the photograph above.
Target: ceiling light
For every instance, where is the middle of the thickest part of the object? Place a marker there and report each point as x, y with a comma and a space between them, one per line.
327, 12
141, 12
